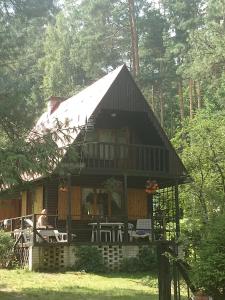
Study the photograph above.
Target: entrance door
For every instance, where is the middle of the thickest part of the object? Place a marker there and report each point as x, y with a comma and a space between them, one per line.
98, 202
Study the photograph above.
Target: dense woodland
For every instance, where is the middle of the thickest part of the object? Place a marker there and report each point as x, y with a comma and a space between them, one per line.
175, 50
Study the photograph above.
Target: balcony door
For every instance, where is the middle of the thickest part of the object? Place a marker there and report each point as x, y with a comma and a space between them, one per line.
111, 137
106, 137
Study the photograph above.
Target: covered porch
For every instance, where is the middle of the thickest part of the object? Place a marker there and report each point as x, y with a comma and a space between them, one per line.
96, 215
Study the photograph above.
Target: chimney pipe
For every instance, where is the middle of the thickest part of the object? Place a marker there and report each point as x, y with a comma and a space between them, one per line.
53, 103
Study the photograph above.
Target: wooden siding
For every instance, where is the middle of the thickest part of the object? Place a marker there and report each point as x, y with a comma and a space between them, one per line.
137, 204
9, 208
51, 197
24, 203
75, 203
124, 95
38, 199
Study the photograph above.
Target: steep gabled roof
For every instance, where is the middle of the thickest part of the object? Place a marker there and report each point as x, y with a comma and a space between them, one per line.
116, 91
76, 111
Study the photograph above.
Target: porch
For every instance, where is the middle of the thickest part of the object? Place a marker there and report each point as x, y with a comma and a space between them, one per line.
54, 247
97, 230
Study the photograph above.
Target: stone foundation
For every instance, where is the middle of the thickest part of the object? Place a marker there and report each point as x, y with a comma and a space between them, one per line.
61, 257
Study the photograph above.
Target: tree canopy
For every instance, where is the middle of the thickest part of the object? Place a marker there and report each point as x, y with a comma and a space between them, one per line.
175, 49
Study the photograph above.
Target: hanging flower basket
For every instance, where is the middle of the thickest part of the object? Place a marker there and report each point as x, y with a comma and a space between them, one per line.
151, 186
63, 189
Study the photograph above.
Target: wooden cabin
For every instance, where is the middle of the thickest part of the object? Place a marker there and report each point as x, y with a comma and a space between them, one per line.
116, 153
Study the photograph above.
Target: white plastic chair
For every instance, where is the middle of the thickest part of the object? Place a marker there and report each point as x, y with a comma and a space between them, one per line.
47, 234
61, 237
107, 233
25, 233
120, 231
143, 229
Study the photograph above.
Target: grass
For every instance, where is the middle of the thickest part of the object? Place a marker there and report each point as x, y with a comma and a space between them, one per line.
22, 284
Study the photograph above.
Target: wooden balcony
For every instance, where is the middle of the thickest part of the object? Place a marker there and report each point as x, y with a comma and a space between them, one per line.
104, 156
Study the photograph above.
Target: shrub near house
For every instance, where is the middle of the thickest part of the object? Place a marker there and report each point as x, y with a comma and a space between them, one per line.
209, 270
6, 244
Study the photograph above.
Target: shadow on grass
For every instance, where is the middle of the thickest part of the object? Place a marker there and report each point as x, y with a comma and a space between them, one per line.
78, 293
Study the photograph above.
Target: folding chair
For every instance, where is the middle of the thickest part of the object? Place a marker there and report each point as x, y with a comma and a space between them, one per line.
143, 229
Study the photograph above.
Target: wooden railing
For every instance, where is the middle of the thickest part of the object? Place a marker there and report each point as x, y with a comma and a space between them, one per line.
98, 155
82, 231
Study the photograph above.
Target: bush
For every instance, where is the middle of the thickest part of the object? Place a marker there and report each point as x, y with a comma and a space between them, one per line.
6, 244
145, 261
130, 265
208, 271
89, 259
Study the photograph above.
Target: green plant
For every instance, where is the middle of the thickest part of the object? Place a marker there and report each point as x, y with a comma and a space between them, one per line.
6, 244
112, 185
208, 271
88, 259
130, 265
145, 261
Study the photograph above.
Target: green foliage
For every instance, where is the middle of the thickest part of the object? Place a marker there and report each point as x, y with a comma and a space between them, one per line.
130, 265
209, 269
202, 148
85, 43
22, 26
201, 145
112, 185
6, 244
145, 261
89, 259
77, 285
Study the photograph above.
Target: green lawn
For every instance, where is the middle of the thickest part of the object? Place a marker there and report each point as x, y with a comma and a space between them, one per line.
21, 284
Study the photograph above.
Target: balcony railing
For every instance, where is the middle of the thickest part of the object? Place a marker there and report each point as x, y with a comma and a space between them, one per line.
97, 155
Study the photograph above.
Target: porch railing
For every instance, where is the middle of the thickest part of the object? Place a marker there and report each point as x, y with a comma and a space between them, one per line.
78, 230
99, 155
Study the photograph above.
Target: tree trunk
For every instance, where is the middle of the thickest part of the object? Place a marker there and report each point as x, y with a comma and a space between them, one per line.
191, 98
134, 38
181, 99
199, 98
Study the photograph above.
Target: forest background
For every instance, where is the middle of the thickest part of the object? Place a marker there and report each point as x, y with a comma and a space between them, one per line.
175, 50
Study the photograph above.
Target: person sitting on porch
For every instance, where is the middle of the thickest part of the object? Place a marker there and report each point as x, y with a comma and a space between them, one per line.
42, 221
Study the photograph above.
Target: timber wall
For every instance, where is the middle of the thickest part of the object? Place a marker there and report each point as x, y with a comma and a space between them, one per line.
10, 208
137, 203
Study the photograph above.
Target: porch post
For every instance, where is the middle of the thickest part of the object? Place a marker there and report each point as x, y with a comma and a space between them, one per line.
177, 219
177, 208
68, 229
176, 276
164, 279
125, 209
150, 213
34, 230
